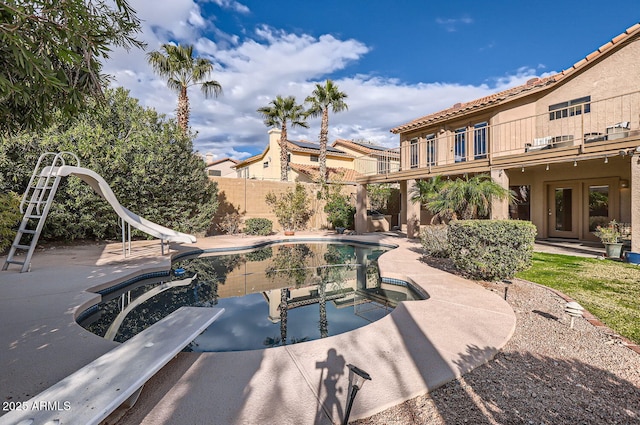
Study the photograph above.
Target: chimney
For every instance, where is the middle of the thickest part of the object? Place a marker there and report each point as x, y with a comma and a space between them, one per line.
208, 158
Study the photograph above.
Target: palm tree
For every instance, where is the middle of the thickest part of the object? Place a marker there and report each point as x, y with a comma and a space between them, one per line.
182, 71
279, 112
467, 198
323, 98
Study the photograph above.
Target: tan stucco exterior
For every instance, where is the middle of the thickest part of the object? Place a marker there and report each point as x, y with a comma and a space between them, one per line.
567, 138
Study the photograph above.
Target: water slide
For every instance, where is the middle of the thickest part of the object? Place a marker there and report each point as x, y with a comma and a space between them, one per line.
102, 188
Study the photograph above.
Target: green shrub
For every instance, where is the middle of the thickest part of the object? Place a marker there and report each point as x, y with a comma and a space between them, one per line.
258, 226
9, 218
231, 223
340, 212
491, 249
435, 241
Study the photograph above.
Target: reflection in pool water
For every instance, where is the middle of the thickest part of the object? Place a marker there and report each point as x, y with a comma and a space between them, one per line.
278, 295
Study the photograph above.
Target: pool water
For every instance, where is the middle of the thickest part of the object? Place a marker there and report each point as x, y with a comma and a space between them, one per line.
276, 295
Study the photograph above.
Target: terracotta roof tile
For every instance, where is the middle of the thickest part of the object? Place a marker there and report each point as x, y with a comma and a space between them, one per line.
334, 174
541, 84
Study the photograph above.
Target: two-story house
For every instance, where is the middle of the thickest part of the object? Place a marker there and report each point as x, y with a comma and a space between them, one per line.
567, 144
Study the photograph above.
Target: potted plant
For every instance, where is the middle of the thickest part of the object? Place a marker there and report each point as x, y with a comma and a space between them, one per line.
290, 208
610, 237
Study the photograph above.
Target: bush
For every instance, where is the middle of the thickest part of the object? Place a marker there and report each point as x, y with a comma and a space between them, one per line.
230, 223
9, 218
258, 226
435, 241
491, 249
339, 211
291, 207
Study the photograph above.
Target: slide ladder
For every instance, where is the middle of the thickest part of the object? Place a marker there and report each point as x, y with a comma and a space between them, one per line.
35, 205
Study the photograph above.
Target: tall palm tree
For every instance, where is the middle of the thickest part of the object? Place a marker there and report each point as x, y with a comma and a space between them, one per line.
182, 70
278, 113
322, 98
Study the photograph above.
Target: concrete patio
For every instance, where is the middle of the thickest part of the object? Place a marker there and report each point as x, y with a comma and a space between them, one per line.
418, 347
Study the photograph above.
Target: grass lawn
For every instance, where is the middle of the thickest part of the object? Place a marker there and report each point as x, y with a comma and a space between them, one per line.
610, 290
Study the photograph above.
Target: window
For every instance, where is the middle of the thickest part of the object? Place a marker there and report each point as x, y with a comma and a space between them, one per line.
431, 149
215, 173
459, 145
570, 108
480, 140
520, 209
265, 164
314, 158
413, 153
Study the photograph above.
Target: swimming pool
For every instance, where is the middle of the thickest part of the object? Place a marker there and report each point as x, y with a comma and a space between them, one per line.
274, 295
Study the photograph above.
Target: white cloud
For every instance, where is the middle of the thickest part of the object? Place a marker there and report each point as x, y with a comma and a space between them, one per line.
452, 24
252, 71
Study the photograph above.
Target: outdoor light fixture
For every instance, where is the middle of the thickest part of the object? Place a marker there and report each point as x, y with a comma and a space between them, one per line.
574, 310
575, 163
624, 183
606, 159
506, 284
358, 377
547, 167
522, 169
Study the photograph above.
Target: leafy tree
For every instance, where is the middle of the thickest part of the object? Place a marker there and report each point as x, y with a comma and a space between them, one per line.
9, 218
182, 71
279, 112
50, 52
291, 208
379, 195
323, 98
466, 198
146, 159
340, 212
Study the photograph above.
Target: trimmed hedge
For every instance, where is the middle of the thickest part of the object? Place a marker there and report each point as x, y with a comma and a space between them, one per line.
9, 219
258, 226
491, 249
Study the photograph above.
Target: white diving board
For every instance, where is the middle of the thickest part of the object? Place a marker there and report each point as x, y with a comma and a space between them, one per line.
90, 394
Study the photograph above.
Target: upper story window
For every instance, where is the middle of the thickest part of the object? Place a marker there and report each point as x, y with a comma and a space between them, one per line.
314, 158
265, 164
480, 140
579, 106
215, 173
460, 145
430, 147
413, 153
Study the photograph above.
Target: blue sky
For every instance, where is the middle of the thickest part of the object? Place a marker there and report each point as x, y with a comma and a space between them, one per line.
396, 60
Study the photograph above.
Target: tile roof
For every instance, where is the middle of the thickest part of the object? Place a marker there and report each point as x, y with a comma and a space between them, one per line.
298, 147
219, 161
363, 147
533, 85
334, 174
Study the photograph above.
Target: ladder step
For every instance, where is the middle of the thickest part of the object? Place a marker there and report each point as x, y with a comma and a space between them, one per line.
42, 187
25, 247
28, 232
15, 262
33, 216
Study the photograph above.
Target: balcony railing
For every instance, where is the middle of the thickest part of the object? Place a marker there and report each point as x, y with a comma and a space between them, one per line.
584, 123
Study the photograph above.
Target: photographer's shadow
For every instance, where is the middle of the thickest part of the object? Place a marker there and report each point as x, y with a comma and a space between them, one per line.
335, 366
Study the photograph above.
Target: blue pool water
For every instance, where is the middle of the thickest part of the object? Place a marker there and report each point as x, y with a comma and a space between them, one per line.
275, 295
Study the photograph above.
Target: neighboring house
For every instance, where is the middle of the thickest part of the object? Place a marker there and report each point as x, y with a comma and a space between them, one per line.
224, 167
567, 144
370, 158
303, 162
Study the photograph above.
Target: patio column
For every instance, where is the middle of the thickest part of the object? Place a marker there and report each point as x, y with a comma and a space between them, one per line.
361, 209
413, 213
500, 208
403, 206
635, 202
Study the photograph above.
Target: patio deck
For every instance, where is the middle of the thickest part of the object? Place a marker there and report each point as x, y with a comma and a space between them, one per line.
418, 347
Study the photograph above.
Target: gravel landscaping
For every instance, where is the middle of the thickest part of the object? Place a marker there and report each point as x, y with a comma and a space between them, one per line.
547, 374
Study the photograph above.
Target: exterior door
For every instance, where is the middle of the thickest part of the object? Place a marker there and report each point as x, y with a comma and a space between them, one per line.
564, 210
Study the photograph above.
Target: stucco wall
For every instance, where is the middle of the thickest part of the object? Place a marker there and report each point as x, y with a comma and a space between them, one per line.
247, 197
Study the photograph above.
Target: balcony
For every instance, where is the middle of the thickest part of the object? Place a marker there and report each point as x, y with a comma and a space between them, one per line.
590, 127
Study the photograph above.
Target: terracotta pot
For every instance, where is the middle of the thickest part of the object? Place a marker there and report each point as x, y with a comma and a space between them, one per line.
289, 233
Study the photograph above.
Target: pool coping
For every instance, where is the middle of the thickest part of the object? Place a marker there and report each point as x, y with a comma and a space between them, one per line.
425, 345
